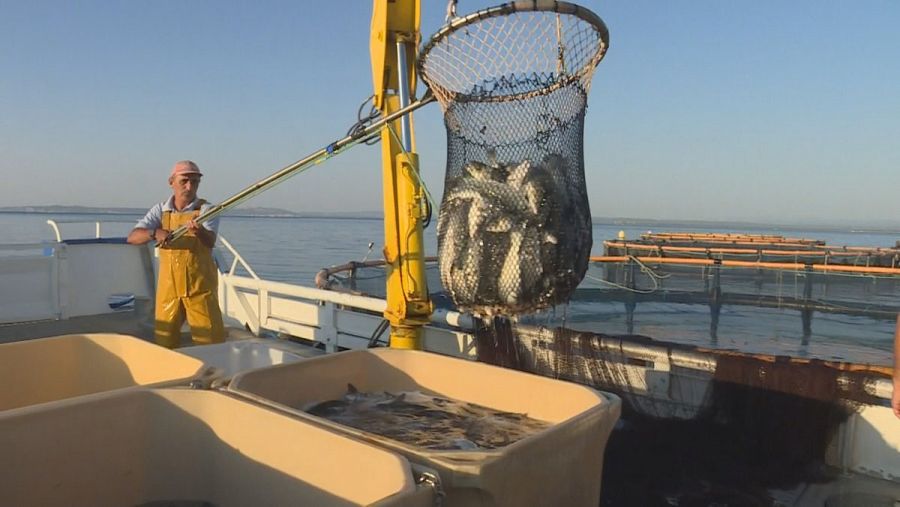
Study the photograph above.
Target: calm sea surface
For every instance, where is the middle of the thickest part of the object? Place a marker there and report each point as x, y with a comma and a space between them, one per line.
294, 249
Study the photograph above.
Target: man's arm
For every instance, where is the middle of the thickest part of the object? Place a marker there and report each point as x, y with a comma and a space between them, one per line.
148, 228
140, 235
895, 399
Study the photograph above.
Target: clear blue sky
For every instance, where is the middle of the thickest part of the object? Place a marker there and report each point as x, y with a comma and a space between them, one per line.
762, 110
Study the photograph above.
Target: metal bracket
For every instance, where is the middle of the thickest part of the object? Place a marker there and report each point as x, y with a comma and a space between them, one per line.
206, 378
434, 481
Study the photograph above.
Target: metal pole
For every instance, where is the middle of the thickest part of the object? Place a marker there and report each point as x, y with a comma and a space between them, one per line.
403, 84
298, 166
715, 302
807, 313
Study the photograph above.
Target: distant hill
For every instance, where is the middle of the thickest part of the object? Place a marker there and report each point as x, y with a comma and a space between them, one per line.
239, 212
49, 209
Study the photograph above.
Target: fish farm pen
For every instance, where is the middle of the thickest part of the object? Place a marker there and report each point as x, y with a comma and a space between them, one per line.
760, 271
758, 248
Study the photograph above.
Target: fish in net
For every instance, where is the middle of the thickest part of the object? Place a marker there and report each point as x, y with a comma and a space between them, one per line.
514, 226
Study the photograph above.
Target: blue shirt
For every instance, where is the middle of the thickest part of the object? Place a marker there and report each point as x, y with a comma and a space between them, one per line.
153, 218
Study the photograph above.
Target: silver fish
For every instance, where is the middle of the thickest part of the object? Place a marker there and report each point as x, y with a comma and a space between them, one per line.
487, 192
428, 421
532, 263
509, 283
514, 205
455, 239
517, 174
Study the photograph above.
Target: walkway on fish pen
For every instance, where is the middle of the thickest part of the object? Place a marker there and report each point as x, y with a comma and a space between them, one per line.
798, 251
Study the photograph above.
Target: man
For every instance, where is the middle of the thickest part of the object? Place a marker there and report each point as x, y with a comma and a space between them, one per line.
188, 280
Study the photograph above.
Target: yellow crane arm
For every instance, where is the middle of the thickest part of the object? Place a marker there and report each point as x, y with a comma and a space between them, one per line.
392, 47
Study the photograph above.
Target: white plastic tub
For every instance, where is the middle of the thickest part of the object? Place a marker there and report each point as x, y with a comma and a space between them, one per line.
61, 367
186, 447
559, 466
230, 358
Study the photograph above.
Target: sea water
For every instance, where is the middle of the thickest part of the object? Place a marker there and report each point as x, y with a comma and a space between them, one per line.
293, 250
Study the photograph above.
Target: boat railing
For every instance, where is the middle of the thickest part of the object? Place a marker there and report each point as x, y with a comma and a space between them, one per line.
237, 259
347, 274
54, 225
60, 280
55, 279
336, 320
29, 282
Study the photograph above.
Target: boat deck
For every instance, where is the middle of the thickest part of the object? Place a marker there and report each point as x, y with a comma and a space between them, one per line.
137, 322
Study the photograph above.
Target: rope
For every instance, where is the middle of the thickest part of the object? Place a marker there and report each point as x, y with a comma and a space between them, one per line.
655, 277
645, 269
619, 286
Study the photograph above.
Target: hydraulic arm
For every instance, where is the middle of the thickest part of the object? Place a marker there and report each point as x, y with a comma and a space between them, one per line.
394, 38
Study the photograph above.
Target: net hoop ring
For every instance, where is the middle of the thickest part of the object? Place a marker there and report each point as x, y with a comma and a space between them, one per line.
507, 9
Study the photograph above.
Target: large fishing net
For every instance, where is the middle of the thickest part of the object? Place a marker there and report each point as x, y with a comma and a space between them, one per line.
514, 228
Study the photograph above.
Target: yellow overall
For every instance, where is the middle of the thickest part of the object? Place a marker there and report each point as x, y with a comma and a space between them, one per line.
188, 284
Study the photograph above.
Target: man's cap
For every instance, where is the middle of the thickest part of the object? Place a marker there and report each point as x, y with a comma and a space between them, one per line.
185, 167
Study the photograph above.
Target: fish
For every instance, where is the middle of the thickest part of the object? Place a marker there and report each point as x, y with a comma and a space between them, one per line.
499, 229
509, 284
478, 171
489, 207
454, 236
531, 265
469, 276
486, 193
428, 420
486, 172
517, 174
